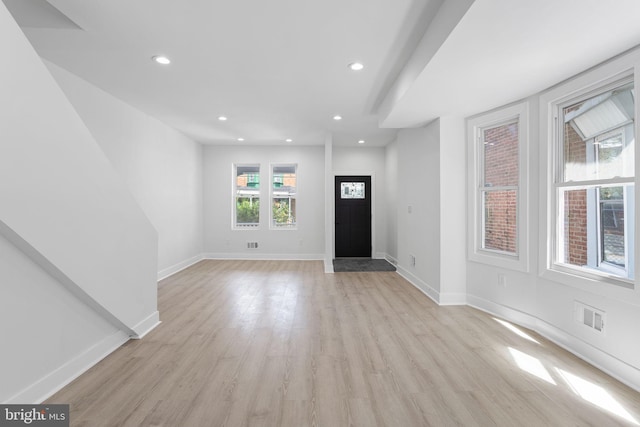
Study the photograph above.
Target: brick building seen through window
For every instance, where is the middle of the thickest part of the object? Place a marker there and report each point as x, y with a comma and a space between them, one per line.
500, 187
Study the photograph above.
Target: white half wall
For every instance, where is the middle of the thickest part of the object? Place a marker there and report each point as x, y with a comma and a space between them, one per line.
161, 167
304, 242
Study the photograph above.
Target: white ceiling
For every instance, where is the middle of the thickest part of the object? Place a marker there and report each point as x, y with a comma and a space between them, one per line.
502, 51
278, 68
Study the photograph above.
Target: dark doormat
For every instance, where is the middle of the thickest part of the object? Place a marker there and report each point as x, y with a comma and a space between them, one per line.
343, 265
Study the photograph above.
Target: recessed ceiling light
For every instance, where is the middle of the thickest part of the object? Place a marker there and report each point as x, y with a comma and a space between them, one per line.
356, 66
289, 140
240, 139
222, 118
161, 60
337, 117
361, 141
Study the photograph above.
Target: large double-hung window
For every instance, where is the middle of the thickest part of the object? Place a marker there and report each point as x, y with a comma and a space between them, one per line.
594, 183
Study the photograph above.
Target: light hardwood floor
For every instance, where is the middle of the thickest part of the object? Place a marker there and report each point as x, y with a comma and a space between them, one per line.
280, 343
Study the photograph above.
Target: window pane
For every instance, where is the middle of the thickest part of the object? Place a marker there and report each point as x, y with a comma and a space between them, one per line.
284, 211
593, 228
247, 211
283, 193
352, 190
247, 196
500, 229
598, 136
612, 246
575, 242
501, 155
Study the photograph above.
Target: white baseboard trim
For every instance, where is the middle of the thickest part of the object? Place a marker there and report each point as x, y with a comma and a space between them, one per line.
391, 259
607, 363
453, 299
56, 380
169, 271
516, 316
146, 326
265, 257
419, 284
328, 266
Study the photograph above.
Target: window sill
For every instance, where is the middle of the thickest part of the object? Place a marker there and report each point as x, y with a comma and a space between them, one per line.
579, 277
246, 228
498, 259
284, 228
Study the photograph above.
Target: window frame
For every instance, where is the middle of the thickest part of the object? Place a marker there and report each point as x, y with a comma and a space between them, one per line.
591, 82
272, 226
597, 271
516, 113
234, 196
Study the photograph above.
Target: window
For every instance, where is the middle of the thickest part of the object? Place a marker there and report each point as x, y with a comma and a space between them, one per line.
247, 196
352, 190
499, 187
594, 183
498, 225
283, 196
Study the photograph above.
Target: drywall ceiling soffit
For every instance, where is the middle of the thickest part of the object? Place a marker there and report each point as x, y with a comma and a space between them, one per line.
501, 51
277, 69
39, 14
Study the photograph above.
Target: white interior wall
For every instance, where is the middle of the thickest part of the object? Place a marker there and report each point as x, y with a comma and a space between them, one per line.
160, 166
418, 191
64, 206
368, 161
391, 168
305, 242
329, 205
452, 202
42, 318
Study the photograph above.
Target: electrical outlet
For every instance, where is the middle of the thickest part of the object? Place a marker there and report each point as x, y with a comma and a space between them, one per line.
412, 260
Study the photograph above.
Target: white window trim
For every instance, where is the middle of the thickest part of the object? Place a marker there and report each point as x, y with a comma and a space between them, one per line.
593, 80
270, 207
234, 168
475, 125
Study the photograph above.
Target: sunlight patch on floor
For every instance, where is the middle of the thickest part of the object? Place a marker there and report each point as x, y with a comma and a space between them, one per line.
516, 330
531, 365
596, 395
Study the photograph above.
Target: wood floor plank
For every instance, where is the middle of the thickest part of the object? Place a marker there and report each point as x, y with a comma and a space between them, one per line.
281, 343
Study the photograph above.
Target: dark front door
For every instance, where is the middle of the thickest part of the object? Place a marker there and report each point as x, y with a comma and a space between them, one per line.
353, 216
